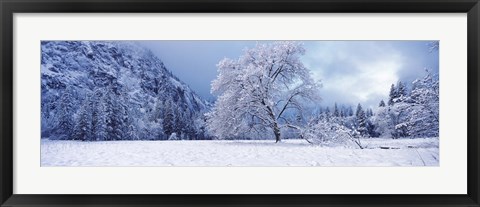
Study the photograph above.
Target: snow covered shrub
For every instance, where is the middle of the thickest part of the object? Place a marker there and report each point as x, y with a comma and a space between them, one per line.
327, 133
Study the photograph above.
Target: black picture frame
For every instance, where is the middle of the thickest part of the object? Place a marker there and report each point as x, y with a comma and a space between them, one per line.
10, 7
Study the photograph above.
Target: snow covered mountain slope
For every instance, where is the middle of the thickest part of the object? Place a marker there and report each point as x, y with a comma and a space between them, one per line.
115, 90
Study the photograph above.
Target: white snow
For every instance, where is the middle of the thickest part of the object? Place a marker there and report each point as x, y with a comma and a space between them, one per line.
401, 152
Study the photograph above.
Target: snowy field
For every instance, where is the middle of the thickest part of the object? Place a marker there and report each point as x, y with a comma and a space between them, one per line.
398, 152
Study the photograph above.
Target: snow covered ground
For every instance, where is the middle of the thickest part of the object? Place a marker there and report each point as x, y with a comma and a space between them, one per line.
401, 152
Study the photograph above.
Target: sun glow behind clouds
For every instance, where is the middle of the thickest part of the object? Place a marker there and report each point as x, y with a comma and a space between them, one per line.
354, 71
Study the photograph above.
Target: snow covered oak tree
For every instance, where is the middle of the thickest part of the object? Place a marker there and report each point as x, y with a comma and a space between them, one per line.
260, 90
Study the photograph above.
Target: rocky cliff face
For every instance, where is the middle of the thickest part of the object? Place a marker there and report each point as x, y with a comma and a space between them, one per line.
117, 90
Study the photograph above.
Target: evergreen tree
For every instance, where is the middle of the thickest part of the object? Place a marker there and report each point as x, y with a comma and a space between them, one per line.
336, 113
350, 111
98, 119
359, 109
392, 95
361, 121
83, 126
114, 114
65, 126
382, 104
168, 119
401, 90
384, 122
371, 129
132, 132
179, 123
369, 112
157, 114
111, 116
327, 114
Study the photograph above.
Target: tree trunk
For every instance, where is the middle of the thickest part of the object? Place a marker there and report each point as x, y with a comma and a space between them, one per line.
276, 131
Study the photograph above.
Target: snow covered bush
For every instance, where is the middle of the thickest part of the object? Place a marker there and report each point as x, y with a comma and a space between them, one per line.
328, 133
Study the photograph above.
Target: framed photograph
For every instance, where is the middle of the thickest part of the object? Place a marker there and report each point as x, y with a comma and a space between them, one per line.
265, 103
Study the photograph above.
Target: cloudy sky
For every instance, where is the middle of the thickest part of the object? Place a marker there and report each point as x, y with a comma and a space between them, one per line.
351, 72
